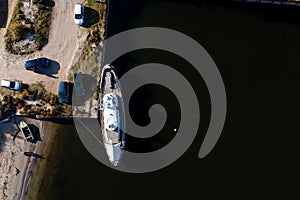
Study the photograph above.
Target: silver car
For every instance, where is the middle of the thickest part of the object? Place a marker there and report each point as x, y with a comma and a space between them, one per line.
13, 85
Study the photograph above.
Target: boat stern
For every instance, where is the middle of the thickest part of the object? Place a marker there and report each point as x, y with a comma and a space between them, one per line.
114, 153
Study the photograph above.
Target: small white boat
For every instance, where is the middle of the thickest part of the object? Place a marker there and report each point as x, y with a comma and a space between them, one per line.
26, 131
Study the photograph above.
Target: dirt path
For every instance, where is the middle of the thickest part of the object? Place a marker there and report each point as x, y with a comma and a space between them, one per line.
60, 48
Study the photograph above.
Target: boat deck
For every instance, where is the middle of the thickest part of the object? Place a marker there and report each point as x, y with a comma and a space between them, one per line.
110, 85
111, 137
26, 132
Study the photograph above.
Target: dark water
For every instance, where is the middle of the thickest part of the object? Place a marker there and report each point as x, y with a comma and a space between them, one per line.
256, 49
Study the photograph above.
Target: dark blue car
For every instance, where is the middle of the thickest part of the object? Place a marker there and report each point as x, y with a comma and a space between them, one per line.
63, 92
36, 64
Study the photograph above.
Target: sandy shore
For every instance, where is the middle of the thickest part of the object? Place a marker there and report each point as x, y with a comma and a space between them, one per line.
15, 167
64, 47
42, 180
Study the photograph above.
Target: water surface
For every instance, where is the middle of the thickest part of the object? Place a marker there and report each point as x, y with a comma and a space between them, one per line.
257, 156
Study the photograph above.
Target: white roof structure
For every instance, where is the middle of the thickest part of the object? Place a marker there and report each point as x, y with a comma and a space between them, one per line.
110, 103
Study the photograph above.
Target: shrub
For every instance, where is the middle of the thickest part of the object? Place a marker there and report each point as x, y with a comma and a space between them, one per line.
17, 29
7, 99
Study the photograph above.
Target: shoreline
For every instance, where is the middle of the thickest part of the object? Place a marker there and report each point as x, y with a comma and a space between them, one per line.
15, 167
24, 173
38, 178
30, 166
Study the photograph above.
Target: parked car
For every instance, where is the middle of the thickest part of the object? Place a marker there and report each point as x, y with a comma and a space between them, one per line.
78, 84
13, 85
79, 14
36, 64
63, 92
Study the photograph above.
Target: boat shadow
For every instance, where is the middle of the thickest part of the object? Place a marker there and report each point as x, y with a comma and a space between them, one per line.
29, 154
90, 87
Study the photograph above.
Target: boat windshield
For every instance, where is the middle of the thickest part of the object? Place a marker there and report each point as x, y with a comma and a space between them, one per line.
12, 84
78, 16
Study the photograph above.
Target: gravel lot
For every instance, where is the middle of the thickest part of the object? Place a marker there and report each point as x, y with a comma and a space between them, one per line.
60, 49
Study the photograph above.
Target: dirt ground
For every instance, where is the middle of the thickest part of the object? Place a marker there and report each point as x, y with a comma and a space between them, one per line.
60, 49
14, 166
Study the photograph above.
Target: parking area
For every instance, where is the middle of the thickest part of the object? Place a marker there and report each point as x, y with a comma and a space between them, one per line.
60, 49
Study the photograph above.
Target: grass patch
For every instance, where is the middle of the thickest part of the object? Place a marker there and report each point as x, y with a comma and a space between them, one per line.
97, 31
42, 26
22, 24
95, 35
89, 62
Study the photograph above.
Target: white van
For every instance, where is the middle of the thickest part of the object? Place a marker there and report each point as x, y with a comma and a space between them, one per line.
79, 14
